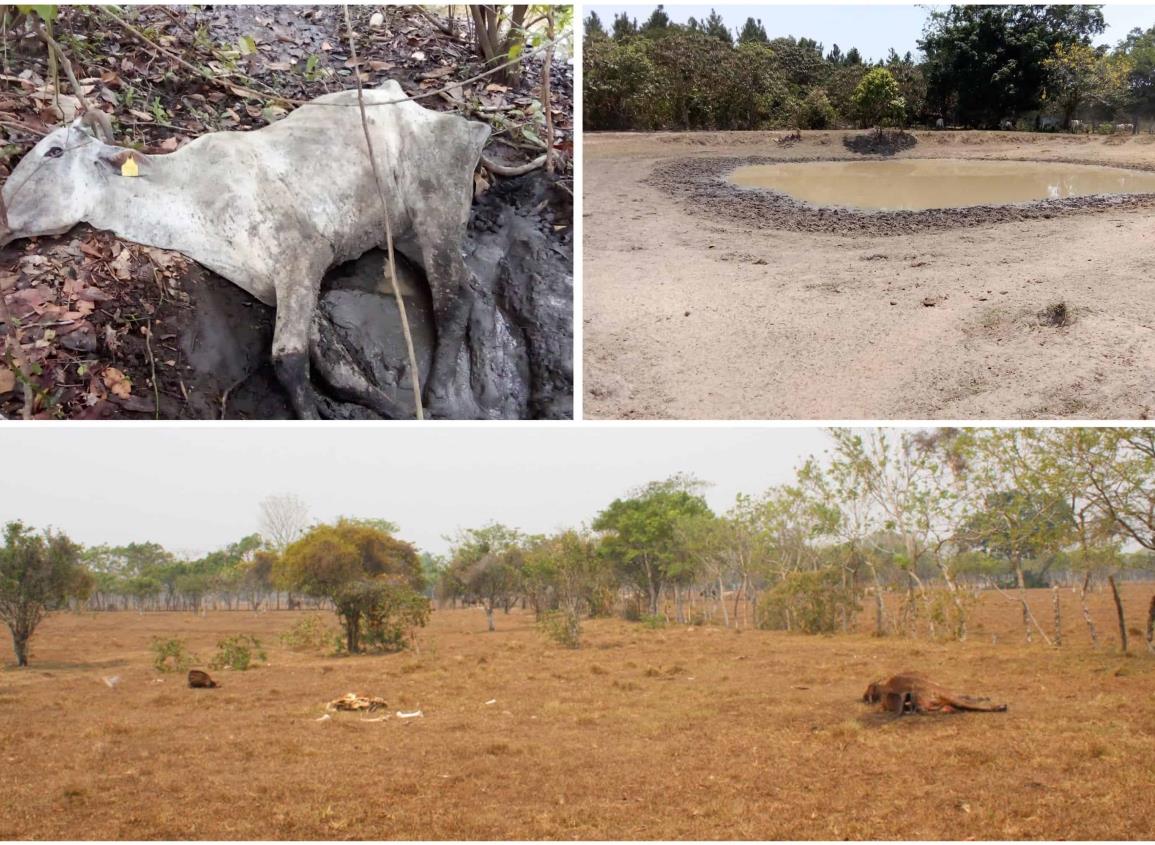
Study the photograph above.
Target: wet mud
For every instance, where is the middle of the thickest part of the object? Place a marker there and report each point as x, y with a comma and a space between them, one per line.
518, 359
703, 185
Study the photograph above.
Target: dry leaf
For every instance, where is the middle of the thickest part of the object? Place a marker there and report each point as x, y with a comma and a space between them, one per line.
117, 382
7, 380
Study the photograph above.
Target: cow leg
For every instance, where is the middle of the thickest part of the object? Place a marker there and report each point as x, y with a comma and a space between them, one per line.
295, 308
450, 283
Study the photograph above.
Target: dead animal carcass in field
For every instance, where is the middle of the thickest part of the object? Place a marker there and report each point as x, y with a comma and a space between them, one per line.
201, 680
352, 701
913, 692
271, 210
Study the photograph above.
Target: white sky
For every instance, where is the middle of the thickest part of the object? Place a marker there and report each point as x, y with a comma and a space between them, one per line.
196, 489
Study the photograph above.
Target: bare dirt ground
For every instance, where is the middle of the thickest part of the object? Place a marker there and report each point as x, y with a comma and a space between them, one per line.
693, 313
675, 733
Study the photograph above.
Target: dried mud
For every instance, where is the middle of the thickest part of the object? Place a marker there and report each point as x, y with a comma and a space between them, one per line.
702, 184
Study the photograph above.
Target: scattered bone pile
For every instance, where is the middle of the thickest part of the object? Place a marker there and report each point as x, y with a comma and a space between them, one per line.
354, 702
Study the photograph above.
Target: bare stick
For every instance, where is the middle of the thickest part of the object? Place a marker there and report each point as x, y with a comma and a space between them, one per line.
1087, 611
54, 46
545, 100
418, 410
152, 363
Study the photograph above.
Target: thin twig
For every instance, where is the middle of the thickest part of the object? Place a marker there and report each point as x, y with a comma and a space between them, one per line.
152, 363
416, 374
62, 58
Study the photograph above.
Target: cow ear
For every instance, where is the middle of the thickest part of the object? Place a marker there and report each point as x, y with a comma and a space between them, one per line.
123, 162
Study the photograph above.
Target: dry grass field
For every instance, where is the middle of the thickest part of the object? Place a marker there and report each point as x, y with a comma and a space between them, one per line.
696, 733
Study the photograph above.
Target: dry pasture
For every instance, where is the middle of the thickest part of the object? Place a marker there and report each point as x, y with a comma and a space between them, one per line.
675, 733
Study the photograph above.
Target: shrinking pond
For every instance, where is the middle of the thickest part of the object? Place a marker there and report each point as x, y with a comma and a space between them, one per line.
920, 184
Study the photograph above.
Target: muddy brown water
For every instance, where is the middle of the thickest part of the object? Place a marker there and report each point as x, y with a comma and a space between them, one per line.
921, 184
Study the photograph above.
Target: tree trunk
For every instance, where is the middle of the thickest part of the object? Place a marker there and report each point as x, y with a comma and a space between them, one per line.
1058, 615
1087, 611
489, 616
679, 605
722, 602
1151, 619
1119, 612
1022, 582
20, 644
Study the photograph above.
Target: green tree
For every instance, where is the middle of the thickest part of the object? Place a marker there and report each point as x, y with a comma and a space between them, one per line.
753, 32
624, 27
1139, 49
985, 63
877, 100
640, 533
489, 562
715, 27
1080, 75
38, 574
364, 571
594, 28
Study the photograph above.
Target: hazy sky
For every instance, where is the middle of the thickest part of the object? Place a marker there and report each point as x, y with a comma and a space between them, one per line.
873, 29
196, 489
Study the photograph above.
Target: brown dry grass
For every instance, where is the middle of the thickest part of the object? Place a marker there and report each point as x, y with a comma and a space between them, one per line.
678, 733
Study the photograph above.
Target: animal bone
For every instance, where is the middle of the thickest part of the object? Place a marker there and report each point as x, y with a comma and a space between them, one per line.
271, 210
913, 692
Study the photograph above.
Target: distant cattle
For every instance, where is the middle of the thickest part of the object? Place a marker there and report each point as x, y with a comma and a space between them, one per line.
1125, 128
1076, 125
1007, 124
938, 124
1050, 123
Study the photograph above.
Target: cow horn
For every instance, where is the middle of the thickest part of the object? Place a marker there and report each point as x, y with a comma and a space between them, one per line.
98, 120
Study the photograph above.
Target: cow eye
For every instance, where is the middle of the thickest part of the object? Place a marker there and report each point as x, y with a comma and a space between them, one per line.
54, 152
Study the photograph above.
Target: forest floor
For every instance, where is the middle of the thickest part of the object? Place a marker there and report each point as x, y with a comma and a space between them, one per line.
695, 732
699, 307
104, 328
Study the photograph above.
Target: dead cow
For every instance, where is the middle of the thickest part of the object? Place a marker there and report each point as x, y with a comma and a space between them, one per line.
271, 210
201, 680
913, 692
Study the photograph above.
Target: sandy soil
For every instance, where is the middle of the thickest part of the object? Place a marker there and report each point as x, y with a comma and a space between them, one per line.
677, 733
695, 310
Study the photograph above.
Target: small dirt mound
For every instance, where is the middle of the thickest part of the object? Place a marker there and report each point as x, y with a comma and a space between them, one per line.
875, 144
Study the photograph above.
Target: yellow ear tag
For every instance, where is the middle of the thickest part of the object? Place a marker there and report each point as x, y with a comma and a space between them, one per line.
129, 168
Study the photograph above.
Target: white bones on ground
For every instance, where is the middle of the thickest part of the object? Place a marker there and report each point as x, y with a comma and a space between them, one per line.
272, 209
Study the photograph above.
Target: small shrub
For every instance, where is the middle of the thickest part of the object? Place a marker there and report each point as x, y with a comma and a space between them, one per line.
811, 602
238, 652
561, 627
308, 634
654, 621
816, 112
171, 655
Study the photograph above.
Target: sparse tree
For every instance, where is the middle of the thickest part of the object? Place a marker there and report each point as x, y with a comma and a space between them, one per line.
39, 572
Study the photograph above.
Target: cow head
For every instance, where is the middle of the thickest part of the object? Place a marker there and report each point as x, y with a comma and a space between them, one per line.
872, 695
56, 183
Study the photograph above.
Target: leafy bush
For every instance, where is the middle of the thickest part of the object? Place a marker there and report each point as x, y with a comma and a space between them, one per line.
308, 634
816, 112
812, 602
561, 627
382, 615
237, 652
654, 621
171, 655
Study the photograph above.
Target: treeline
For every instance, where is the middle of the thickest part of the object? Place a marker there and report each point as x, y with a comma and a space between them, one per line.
929, 518
910, 526
978, 67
